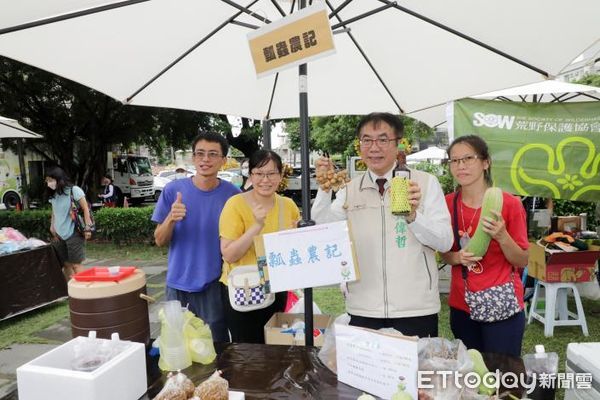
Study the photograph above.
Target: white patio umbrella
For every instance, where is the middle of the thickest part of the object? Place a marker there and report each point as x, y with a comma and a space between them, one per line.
410, 56
430, 153
391, 56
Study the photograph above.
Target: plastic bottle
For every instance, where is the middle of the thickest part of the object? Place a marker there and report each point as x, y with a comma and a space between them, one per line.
299, 338
399, 186
536, 364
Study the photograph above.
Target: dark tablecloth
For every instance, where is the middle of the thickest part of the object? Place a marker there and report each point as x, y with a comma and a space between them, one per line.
30, 279
267, 372
287, 372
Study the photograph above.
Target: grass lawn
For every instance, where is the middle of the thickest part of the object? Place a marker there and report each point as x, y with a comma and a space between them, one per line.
22, 328
133, 252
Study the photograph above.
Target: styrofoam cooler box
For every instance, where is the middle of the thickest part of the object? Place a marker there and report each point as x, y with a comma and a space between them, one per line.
584, 358
50, 376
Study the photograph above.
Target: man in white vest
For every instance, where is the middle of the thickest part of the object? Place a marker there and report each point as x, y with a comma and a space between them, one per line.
398, 284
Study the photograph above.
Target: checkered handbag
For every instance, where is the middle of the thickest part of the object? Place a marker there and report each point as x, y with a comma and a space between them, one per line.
246, 290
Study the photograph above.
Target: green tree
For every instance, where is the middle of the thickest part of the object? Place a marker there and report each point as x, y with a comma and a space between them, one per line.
79, 124
248, 141
336, 134
592, 80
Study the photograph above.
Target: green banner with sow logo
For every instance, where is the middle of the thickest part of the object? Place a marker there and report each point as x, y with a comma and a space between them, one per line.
538, 149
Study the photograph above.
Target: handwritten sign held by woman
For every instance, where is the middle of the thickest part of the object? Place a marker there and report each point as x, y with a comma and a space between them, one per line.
313, 256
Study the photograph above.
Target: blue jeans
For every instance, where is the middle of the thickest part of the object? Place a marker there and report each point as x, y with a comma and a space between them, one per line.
206, 305
502, 337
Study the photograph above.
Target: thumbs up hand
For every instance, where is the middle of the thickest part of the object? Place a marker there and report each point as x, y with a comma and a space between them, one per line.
178, 209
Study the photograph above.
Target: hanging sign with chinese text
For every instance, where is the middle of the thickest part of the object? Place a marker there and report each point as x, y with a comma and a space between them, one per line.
296, 39
313, 256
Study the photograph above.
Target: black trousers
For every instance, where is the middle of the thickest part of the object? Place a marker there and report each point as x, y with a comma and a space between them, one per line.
502, 337
423, 326
248, 327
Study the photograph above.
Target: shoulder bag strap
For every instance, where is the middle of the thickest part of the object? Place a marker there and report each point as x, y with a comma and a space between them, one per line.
74, 204
281, 204
455, 230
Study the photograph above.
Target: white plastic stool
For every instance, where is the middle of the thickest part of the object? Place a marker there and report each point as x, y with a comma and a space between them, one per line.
556, 303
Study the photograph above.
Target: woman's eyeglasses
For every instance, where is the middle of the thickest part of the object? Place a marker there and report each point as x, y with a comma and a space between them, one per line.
466, 160
262, 175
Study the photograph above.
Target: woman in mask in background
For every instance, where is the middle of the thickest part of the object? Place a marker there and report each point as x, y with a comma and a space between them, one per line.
247, 183
180, 173
69, 244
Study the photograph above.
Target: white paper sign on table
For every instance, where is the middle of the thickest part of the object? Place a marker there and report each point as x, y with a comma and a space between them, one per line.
376, 362
317, 255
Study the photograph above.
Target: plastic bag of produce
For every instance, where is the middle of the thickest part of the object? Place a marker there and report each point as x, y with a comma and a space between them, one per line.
199, 339
439, 354
327, 354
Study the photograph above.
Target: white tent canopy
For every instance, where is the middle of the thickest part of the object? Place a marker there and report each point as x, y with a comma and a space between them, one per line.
545, 91
430, 153
392, 60
10, 128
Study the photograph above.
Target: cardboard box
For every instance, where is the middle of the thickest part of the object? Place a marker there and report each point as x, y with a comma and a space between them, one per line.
50, 376
578, 266
274, 326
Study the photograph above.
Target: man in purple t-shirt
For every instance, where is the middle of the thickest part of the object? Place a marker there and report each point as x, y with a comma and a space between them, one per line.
187, 214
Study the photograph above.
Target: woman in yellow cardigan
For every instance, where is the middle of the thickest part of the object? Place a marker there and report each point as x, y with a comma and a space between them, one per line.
245, 216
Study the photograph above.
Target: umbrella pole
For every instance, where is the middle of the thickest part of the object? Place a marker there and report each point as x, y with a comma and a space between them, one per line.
21, 152
305, 181
266, 134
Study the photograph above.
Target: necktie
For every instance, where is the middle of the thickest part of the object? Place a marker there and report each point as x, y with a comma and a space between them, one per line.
381, 183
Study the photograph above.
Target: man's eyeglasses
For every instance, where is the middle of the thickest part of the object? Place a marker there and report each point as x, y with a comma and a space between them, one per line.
213, 155
381, 142
466, 160
262, 175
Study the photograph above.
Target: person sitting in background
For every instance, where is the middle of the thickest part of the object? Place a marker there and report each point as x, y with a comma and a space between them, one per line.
108, 195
